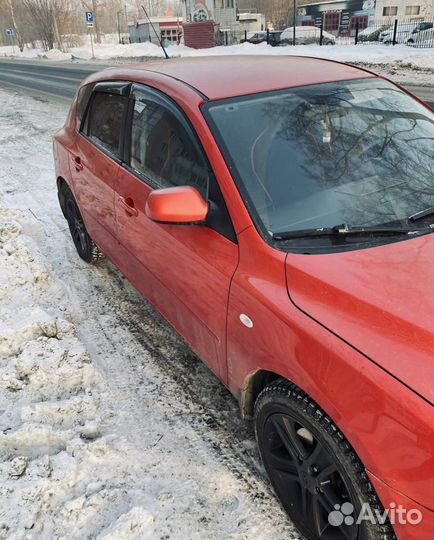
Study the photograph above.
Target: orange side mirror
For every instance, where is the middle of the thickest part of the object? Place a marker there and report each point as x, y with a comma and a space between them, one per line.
176, 205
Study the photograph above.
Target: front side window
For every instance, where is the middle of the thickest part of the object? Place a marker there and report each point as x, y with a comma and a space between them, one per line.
353, 153
105, 119
162, 149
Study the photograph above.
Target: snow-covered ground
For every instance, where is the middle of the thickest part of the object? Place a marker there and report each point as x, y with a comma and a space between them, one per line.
109, 427
416, 58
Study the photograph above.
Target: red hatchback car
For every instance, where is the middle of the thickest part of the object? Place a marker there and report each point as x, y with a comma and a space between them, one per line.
278, 212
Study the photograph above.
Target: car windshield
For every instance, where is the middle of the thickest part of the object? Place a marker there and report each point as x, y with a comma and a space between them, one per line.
359, 153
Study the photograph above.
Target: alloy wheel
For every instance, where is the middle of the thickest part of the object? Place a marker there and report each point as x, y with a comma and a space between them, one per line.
307, 479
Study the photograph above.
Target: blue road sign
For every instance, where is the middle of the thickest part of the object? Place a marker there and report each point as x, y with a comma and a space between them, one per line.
89, 17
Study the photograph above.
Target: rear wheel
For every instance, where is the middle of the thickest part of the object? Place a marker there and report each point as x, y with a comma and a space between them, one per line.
85, 246
317, 476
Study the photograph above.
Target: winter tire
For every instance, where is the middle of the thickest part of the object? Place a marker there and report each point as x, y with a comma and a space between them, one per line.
316, 474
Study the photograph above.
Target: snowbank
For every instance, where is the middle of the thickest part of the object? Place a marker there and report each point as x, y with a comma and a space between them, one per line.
14, 52
55, 54
374, 54
401, 55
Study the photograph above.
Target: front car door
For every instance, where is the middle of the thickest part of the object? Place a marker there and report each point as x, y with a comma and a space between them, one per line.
184, 270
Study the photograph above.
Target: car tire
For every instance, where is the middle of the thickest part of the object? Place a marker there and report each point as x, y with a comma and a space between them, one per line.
85, 246
320, 481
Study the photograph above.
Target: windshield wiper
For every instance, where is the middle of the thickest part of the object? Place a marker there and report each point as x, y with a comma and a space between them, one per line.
342, 230
420, 215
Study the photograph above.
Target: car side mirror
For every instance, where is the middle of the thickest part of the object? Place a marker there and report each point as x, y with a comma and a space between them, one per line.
181, 205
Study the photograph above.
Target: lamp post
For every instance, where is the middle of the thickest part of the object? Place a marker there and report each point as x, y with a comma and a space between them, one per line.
293, 24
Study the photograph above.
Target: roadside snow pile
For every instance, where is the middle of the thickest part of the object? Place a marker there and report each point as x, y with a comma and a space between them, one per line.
14, 52
55, 54
56, 464
109, 455
374, 54
134, 50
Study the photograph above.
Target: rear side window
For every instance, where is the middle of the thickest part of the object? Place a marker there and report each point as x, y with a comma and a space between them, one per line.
82, 100
105, 119
162, 149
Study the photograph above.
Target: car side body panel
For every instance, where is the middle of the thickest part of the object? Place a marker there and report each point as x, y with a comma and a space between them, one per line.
374, 411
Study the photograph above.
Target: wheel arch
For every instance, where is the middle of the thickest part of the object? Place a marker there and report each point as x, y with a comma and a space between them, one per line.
254, 383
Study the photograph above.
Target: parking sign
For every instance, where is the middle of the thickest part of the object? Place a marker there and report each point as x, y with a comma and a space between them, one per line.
89, 18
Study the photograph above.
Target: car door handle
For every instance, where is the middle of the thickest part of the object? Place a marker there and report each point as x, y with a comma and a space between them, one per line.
128, 205
76, 160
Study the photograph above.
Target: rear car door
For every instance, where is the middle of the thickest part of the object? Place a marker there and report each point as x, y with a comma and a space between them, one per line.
184, 270
95, 160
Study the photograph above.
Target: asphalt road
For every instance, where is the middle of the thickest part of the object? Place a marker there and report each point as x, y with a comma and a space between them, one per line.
61, 80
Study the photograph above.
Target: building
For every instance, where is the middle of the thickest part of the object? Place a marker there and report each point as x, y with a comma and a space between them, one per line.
338, 17
251, 22
229, 24
342, 17
221, 12
404, 10
167, 28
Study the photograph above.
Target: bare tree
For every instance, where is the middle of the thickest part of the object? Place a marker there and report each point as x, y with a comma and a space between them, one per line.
43, 13
11, 5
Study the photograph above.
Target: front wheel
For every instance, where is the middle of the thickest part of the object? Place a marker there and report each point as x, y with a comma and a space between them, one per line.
316, 474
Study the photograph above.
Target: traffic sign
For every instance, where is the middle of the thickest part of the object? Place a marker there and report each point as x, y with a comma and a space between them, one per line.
89, 18
10, 32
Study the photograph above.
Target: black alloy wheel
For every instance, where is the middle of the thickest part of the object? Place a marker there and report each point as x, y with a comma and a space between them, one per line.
315, 473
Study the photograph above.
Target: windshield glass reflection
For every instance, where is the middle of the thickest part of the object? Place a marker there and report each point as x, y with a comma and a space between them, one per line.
354, 152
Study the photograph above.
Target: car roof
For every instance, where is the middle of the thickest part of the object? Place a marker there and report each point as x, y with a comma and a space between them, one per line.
218, 77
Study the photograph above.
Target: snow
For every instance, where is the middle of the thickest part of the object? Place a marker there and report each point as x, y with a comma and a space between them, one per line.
14, 52
55, 54
402, 55
109, 427
375, 54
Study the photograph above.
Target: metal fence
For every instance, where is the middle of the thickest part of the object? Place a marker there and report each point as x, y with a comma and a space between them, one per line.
413, 33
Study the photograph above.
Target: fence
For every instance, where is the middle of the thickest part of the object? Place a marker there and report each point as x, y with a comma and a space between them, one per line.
414, 33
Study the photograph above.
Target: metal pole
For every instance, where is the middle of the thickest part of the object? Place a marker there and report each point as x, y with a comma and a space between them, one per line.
293, 24
321, 29
126, 23
119, 26
395, 28
356, 39
91, 43
156, 34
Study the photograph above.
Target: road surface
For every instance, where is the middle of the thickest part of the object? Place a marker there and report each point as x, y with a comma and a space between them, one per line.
61, 80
